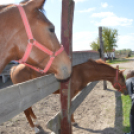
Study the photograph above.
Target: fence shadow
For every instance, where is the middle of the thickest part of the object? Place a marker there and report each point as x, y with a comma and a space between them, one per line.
42, 131
118, 123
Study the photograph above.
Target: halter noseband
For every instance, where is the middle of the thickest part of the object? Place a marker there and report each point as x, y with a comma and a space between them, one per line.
117, 82
32, 42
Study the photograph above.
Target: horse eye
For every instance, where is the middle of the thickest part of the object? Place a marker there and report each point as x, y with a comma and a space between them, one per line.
51, 30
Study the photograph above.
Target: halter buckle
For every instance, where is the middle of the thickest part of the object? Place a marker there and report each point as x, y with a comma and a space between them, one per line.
52, 55
31, 41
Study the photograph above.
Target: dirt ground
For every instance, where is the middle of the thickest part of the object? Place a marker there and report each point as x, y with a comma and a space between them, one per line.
100, 113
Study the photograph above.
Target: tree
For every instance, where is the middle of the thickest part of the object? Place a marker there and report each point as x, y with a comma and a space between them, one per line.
95, 45
109, 37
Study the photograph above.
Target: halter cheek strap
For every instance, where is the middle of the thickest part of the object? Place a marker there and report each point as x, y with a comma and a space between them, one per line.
117, 82
32, 42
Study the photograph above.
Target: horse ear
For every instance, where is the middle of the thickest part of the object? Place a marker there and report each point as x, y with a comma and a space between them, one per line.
117, 67
33, 4
123, 70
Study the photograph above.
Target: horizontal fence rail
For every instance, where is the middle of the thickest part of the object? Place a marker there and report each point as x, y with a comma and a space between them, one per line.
54, 123
15, 99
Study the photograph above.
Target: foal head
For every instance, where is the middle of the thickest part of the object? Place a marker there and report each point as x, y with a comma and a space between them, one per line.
119, 81
43, 31
117, 77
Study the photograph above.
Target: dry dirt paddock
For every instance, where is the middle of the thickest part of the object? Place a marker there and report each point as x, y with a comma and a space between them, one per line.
100, 113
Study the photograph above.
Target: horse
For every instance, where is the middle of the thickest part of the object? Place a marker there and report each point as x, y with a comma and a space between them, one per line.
82, 74
27, 36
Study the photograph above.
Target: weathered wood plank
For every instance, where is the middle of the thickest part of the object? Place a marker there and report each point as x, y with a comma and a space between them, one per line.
66, 40
102, 53
54, 123
17, 98
78, 99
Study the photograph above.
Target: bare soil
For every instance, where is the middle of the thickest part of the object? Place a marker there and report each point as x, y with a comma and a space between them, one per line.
100, 113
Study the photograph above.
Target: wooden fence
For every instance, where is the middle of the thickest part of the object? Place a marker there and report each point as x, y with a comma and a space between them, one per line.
54, 123
16, 98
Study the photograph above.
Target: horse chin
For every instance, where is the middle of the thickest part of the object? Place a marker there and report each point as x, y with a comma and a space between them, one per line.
64, 73
62, 77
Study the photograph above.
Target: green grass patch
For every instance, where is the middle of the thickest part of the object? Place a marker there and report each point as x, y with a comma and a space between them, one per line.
115, 61
126, 106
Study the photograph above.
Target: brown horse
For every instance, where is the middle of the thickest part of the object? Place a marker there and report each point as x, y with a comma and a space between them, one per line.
82, 74
14, 39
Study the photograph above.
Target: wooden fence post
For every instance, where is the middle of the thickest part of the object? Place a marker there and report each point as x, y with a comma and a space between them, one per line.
102, 53
66, 40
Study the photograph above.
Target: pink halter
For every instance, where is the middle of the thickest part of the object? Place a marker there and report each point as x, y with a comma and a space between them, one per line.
32, 42
117, 83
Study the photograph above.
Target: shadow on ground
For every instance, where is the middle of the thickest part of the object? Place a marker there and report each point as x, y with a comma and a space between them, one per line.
118, 124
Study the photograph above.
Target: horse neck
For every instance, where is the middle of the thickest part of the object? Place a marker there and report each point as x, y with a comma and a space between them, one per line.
100, 72
7, 31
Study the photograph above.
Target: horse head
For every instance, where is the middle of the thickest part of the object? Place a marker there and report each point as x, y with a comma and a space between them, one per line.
16, 39
119, 81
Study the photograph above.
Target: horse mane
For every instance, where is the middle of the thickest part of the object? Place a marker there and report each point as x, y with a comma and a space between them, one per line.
99, 61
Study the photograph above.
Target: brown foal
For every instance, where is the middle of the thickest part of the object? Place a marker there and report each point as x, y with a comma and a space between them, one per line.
82, 74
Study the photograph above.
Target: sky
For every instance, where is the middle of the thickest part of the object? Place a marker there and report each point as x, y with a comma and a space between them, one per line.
89, 15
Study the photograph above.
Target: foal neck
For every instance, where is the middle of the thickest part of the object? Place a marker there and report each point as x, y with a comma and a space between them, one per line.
101, 71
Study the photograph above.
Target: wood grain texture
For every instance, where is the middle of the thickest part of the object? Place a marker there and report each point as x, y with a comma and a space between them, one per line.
15, 99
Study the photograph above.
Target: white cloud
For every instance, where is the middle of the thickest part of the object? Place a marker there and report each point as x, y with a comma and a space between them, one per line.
103, 14
126, 41
110, 19
82, 40
104, 5
87, 10
3, 2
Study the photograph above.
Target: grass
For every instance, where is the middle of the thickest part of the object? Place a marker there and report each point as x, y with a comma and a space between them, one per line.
126, 106
117, 61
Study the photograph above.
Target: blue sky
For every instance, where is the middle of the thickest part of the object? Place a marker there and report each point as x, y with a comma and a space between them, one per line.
89, 15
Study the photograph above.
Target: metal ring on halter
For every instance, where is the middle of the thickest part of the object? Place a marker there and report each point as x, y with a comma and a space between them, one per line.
52, 55
31, 41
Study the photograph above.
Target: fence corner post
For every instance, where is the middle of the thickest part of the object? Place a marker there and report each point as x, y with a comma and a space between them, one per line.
66, 40
102, 53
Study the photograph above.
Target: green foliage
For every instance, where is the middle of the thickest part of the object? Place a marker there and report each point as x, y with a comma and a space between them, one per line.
95, 45
109, 37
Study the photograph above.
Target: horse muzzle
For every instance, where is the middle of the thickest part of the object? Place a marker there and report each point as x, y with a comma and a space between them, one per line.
64, 72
